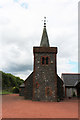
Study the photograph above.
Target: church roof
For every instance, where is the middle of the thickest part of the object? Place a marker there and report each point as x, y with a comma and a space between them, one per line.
29, 77
70, 79
44, 39
22, 85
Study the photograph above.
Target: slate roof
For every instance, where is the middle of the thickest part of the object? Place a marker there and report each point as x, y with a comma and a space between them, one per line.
70, 79
44, 39
29, 77
59, 79
22, 85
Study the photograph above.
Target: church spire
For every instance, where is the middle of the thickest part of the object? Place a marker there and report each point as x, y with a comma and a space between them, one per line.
44, 39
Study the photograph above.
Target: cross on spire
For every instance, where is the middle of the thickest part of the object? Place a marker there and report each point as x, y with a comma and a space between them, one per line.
44, 39
44, 21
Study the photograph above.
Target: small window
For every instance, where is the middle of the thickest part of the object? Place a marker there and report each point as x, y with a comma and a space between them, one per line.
46, 60
43, 59
37, 85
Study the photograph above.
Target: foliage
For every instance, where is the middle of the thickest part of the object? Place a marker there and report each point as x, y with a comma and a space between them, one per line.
74, 95
6, 92
15, 90
10, 81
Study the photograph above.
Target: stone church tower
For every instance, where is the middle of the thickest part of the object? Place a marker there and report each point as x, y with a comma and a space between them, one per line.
43, 84
45, 73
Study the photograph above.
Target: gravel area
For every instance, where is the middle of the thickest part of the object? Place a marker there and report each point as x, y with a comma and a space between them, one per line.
15, 106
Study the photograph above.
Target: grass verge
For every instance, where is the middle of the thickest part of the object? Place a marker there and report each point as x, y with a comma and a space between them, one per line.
5, 92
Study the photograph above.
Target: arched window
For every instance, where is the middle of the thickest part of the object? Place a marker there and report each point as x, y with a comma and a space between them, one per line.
46, 60
43, 60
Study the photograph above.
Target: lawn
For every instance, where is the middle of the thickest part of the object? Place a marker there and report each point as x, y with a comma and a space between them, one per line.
3, 92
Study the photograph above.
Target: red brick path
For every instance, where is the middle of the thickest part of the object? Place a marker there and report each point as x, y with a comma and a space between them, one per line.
14, 106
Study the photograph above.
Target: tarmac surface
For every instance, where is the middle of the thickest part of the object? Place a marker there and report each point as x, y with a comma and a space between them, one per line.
15, 106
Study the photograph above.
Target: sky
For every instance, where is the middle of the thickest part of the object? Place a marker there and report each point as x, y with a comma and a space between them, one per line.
21, 27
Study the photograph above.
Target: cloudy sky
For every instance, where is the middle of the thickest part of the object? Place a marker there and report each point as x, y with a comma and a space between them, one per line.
21, 28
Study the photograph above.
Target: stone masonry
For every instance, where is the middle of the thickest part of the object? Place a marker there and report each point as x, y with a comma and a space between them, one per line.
45, 76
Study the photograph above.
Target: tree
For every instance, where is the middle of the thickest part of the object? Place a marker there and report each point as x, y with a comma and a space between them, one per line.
9, 81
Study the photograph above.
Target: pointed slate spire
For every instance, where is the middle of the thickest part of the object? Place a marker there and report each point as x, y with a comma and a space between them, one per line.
44, 39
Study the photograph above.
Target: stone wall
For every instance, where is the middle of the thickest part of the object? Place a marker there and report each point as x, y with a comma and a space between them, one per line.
60, 90
45, 77
28, 91
21, 91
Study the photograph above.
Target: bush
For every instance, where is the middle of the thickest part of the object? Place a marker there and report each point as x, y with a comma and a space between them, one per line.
15, 90
74, 95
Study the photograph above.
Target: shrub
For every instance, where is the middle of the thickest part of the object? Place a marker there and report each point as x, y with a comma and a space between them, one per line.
15, 90
74, 95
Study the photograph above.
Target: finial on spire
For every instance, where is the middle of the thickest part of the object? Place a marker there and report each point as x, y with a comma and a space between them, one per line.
44, 40
44, 21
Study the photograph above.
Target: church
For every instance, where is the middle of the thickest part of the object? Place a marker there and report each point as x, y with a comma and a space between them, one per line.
43, 84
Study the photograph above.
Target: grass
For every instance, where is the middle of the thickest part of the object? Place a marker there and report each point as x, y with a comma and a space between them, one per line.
5, 92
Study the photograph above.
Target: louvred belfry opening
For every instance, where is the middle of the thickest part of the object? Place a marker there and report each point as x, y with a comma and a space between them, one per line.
45, 60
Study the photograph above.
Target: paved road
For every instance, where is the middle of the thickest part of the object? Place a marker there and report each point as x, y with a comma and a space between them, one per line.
14, 106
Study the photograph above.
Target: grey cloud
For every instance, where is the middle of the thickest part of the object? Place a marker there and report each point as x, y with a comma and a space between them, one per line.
21, 30
17, 68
